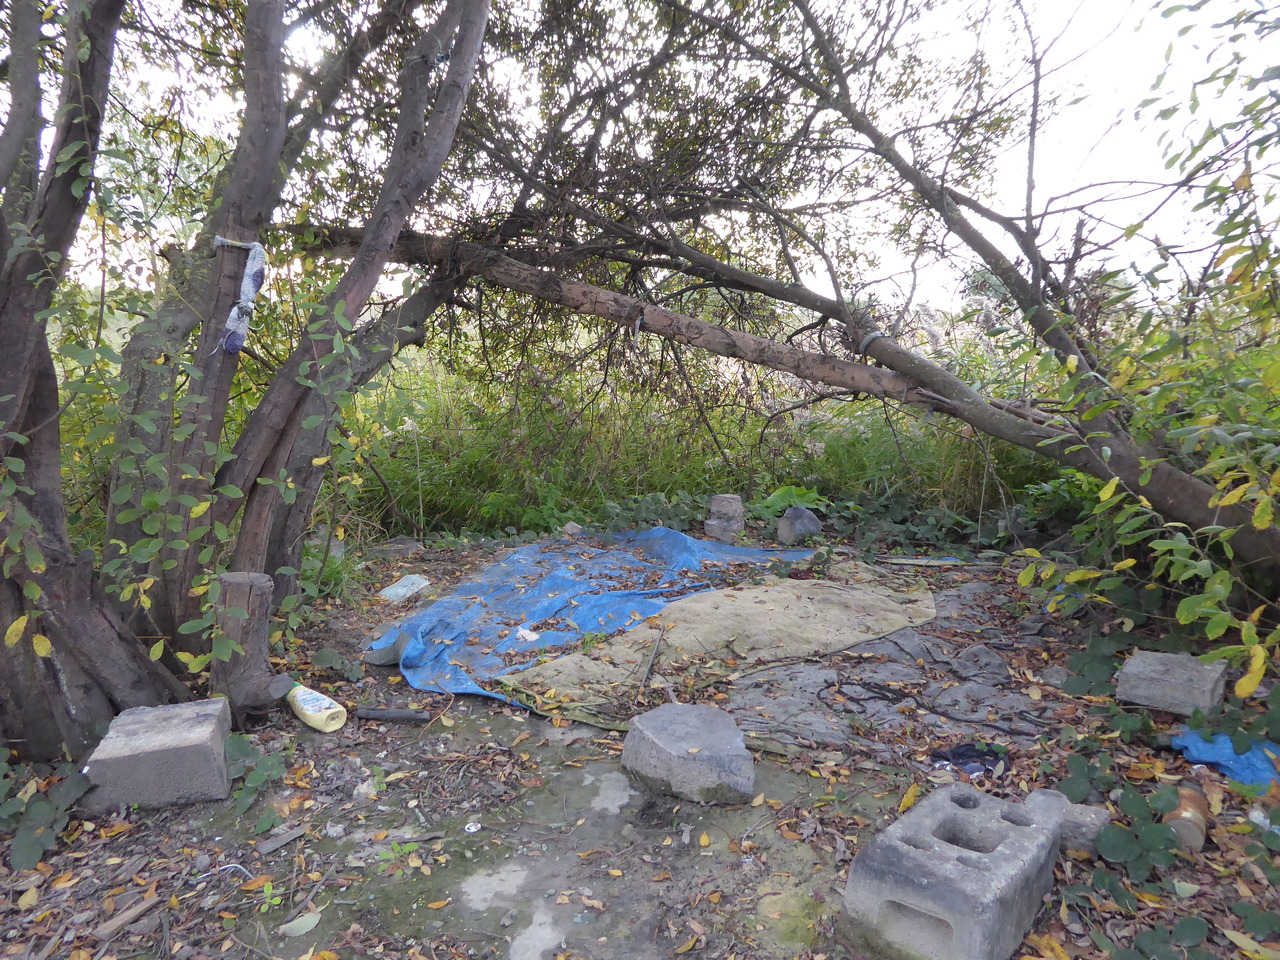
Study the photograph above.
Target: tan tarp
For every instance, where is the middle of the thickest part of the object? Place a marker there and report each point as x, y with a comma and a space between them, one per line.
721, 635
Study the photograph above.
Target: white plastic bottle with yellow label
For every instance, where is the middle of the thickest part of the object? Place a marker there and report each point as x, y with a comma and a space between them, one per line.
315, 709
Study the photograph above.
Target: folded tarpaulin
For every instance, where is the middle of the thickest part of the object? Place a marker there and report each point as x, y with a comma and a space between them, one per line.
550, 595
1255, 765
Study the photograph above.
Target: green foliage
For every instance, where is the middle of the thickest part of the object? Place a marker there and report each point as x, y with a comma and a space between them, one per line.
784, 498
36, 808
449, 454
258, 770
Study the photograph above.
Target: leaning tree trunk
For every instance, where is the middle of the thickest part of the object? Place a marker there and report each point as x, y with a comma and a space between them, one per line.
68, 664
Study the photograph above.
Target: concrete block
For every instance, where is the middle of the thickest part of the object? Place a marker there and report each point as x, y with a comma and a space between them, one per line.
797, 524
1176, 682
1080, 823
725, 517
961, 875
163, 756
406, 588
690, 751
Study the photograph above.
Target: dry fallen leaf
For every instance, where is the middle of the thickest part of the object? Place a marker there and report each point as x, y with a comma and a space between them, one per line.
909, 798
664, 875
757, 799
593, 904
28, 899
257, 883
439, 904
704, 840
687, 945
1048, 947
615, 873
714, 896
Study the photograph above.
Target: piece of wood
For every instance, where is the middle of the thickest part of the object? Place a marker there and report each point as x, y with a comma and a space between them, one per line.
246, 679
107, 930
390, 715
272, 844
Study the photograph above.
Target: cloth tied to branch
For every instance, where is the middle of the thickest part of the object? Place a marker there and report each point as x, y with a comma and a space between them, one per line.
236, 330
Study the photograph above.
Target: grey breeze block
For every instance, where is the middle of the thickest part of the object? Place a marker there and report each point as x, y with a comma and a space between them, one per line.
960, 877
725, 517
163, 756
691, 751
1176, 682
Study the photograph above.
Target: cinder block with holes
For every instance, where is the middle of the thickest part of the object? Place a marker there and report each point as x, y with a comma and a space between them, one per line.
960, 877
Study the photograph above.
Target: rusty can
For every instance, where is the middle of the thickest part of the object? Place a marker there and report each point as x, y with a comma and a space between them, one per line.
1189, 819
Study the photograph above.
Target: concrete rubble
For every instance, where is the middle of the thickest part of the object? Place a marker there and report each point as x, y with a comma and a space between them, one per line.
690, 751
1176, 682
162, 756
725, 517
797, 525
961, 875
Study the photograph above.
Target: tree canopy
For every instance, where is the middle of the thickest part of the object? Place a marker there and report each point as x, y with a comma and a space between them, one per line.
728, 177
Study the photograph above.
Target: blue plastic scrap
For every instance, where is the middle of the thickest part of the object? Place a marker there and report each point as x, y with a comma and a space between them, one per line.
551, 594
1253, 766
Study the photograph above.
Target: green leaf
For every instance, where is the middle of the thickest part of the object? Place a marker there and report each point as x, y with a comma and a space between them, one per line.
1118, 844
1190, 931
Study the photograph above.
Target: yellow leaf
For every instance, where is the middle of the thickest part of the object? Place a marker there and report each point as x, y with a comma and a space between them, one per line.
439, 904
320, 461
687, 945
200, 509
15, 631
1107, 492
1252, 947
41, 645
1248, 684
1235, 495
1263, 514
1027, 575
757, 799
199, 591
1072, 362
28, 898
1124, 565
714, 896
615, 873
909, 798
1075, 576
704, 840
1049, 948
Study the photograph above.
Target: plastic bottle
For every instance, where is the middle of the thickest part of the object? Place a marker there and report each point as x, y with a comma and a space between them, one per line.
1189, 819
315, 709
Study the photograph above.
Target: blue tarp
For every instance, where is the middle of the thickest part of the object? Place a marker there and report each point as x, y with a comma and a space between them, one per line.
557, 591
1253, 766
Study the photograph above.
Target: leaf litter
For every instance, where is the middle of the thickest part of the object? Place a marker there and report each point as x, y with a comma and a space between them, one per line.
196, 883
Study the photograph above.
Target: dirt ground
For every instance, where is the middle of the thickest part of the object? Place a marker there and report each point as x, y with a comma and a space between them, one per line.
490, 831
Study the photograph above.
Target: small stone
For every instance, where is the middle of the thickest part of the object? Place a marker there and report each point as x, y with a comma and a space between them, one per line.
797, 525
572, 529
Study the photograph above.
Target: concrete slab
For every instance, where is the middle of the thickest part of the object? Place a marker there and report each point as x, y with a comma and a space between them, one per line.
961, 875
162, 756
